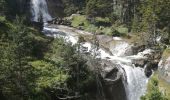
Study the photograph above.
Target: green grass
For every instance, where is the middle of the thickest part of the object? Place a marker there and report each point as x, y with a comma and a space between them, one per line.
149, 87
91, 28
166, 53
122, 30
2, 19
100, 26
80, 20
107, 31
162, 84
99, 19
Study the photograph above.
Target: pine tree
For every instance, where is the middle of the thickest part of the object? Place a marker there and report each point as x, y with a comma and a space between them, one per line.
102, 8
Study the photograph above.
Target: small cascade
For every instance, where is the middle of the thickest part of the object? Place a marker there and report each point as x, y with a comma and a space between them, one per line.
136, 81
39, 10
120, 49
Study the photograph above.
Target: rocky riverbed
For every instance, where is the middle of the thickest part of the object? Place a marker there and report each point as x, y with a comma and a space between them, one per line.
123, 66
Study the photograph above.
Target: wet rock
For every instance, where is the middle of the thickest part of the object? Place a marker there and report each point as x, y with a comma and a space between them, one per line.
137, 48
109, 71
60, 21
115, 91
104, 39
150, 67
150, 57
120, 48
148, 71
139, 62
113, 83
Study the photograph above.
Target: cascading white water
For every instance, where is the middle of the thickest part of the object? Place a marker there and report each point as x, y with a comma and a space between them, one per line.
120, 49
136, 80
39, 9
136, 84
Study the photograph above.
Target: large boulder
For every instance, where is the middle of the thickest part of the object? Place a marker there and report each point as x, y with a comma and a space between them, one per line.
148, 59
112, 81
113, 85
164, 65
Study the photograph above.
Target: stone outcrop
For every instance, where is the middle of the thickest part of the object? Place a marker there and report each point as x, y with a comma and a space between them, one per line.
149, 61
164, 69
60, 21
113, 85
119, 53
111, 80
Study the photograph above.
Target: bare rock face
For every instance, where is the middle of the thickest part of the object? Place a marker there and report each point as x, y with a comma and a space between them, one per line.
113, 85
164, 69
112, 82
149, 61
115, 91
55, 8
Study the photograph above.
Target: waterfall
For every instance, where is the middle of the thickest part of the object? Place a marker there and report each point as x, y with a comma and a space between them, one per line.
136, 80
39, 10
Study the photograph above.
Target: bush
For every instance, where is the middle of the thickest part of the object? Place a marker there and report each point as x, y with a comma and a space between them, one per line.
100, 26
102, 22
122, 29
153, 91
80, 21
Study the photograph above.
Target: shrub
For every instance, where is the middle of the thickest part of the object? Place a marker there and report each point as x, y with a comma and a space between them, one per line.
153, 91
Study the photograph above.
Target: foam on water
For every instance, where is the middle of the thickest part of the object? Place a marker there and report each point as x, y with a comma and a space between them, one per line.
136, 79
39, 10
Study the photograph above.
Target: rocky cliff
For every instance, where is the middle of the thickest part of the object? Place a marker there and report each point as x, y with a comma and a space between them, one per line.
164, 66
55, 8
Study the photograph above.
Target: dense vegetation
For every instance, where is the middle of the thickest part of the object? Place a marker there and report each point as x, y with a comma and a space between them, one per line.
36, 67
154, 90
151, 16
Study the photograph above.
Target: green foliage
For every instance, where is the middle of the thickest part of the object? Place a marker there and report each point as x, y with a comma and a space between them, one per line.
100, 26
155, 14
122, 30
73, 6
2, 7
153, 91
47, 75
108, 31
29, 72
80, 21
100, 8
16, 7
166, 54
149, 11
164, 85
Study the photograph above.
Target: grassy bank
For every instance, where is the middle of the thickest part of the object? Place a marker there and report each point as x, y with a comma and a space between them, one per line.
98, 25
158, 89
164, 86
166, 54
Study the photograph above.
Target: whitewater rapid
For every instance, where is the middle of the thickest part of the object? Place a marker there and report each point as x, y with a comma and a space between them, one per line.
136, 80
136, 84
